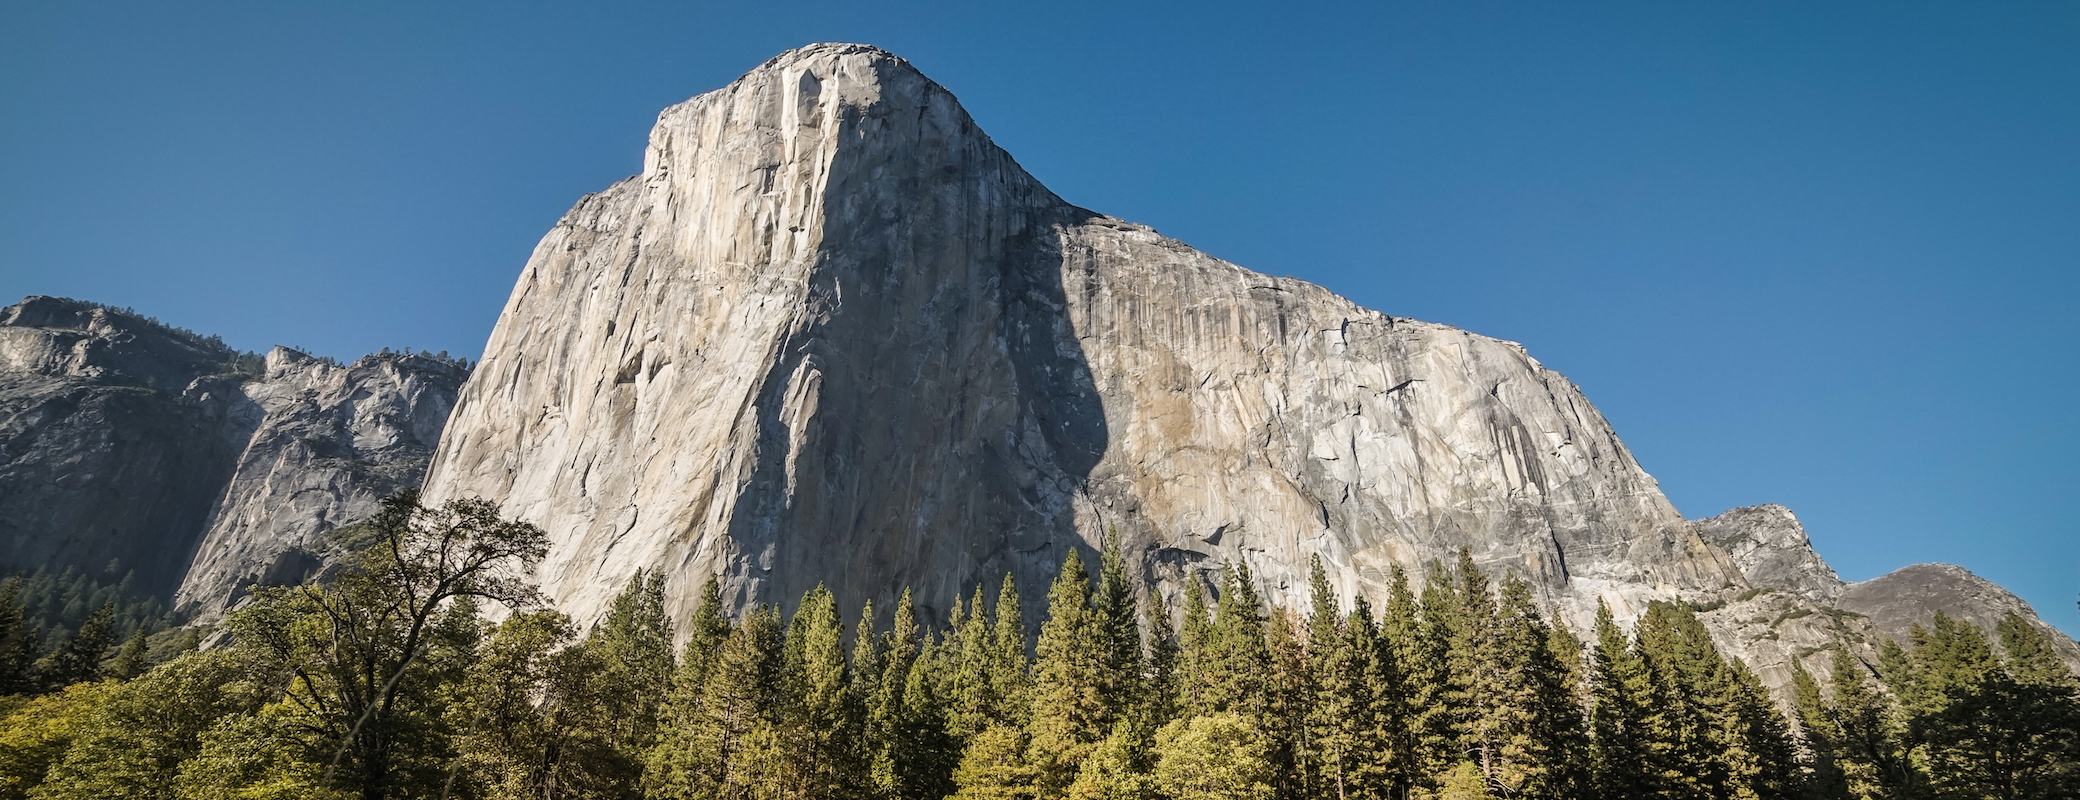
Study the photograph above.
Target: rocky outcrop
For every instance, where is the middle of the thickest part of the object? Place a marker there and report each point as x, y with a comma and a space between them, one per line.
833, 333
1798, 610
201, 468
1770, 548
1896, 602
327, 443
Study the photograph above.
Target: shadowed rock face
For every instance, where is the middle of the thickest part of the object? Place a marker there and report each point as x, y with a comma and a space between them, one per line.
1910, 596
833, 333
123, 439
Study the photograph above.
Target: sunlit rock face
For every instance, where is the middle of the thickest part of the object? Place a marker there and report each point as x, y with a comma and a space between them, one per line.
1769, 547
833, 334
326, 444
123, 440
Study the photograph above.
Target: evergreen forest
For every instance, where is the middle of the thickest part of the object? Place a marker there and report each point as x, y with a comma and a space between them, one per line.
389, 681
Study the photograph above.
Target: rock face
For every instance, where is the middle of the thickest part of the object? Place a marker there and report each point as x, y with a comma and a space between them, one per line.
1896, 602
833, 333
1770, 549
1797, 609
124, 439
326, 445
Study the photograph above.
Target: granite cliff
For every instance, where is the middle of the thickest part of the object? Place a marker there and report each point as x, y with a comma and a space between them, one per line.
203, 469
832, 333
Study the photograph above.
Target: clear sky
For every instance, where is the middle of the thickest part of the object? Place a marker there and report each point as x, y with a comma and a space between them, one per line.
1818, 254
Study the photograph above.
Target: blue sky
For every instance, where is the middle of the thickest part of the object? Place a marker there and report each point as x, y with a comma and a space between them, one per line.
1818, 254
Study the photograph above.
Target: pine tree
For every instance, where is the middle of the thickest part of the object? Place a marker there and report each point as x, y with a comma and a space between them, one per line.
1339, 714
671, 765
633, 645
735, 740
1822, 736
1762, 759
1008, 676
1068, 712
19, 641
1115, 615
1574, 774
2038, 709
1416, 684
1382, 746
927, 748
821, 721
1619, 691
130, 661
1290, 691
973, 702
1195, 655
1863, 744
1678, 762
1238, 664
1165, 665
1438, 696
1527, 717
78, 660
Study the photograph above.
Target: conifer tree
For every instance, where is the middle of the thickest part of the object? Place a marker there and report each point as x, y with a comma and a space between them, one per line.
1165, 662
1761, 759
1438, 686
1008, 664
735, 742
1383, 748
1289, 693
1821, 734
822, 720
926, 745
1862, 744
1068, 713
1530, 723
633, 645
79, 659
1338, 715
2038, 710
1619, 691
19, 641
1677, 759
1195, 655
1115, 615
971, 702
129, 661
673, 766
1238, 663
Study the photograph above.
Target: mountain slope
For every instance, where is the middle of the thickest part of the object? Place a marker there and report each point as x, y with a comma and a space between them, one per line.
833, 333
203, 469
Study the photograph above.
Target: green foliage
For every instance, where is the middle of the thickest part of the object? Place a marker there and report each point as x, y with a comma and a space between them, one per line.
387, 683
1069, 713
138, 739
35, 733
1219, 756
79, 659
368, 658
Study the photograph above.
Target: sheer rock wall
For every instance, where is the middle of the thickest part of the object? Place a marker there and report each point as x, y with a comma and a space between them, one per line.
833, 333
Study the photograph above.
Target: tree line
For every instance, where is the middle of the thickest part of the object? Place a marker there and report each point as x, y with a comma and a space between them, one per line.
389, 683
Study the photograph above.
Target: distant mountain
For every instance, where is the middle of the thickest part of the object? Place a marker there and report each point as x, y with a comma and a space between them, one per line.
201, 468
